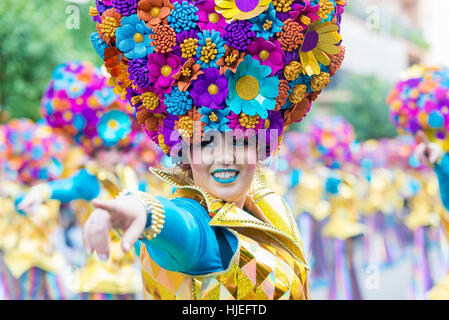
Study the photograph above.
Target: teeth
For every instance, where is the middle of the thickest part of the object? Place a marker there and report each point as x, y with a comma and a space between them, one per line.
225, 174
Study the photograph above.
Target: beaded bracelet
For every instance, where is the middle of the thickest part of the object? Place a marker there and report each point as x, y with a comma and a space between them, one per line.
153, 207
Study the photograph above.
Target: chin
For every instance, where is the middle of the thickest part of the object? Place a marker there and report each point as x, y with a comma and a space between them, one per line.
229, 192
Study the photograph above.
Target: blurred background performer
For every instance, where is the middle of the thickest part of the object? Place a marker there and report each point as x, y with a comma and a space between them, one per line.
80, 104
419, 104
332, 140
32, 264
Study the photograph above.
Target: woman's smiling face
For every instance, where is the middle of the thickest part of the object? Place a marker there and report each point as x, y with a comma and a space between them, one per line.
224, 166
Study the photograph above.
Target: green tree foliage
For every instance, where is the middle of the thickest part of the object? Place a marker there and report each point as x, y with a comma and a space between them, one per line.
36, 36
366, 109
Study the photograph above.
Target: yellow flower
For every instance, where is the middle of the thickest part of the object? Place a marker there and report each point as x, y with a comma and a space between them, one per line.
320, 81
320, 40
241, 9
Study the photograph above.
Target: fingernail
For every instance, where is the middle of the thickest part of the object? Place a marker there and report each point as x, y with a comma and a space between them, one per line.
103, 257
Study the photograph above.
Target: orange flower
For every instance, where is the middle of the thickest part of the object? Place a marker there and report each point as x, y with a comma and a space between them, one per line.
152, 121
337, 60
283, 89
110, 21
154, 12
291, 35
189, 72
117, 66
230, 60
164, 38
297, 112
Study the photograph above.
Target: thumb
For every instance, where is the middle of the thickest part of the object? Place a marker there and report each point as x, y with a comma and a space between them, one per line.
132, 233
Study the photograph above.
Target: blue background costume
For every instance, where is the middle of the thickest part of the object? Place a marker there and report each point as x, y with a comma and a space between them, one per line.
442, 172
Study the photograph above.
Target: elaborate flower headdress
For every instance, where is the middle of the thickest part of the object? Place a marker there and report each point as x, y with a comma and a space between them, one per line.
333, 140
228, 65
31, 151
420, 101
79, 103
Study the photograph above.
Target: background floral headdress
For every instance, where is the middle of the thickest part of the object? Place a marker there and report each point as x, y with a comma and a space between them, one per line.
79, 103
333, 140
229, 65
31, 151
420, 101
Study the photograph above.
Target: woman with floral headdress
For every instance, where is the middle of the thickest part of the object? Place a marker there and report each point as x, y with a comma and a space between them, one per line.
214, 83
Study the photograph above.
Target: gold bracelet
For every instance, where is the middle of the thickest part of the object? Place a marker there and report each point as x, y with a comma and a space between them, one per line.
157, 215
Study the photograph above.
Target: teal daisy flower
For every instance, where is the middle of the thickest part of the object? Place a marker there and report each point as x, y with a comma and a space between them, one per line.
251, 89
267, 24
98, 44
211, 47
113, 127
178, 102
133, 38
183, 17
215, 119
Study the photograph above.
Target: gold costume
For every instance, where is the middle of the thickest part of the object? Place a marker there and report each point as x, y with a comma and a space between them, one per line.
268, 264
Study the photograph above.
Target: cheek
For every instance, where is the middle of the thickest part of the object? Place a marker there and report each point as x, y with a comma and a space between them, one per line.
200, 171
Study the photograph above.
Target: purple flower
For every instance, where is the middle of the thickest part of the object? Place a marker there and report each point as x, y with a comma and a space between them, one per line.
125, 7
239, 34
291, 56
180, 38
208, 18
282, 16
102, 6
210, 89
268, 53
171, 136
275, 127
138, 72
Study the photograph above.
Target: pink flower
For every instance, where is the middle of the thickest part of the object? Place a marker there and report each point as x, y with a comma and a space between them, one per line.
305, 14
162, 67
268, 53
209, 19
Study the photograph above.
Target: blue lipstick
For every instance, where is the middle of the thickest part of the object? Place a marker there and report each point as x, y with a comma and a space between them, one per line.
228, 180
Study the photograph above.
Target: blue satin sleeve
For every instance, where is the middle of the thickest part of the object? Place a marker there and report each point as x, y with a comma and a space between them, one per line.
187, 243
81, 185
442, 172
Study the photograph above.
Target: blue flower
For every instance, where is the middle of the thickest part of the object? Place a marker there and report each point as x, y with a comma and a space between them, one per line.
105, 96
183, 17
261, 23
209, 41
113, 127
133, 38
98, 44
62, 78
215, 119
251, 89
76, 89
178, 102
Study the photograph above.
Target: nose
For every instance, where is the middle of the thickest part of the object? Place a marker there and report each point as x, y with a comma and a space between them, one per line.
225, 154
